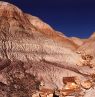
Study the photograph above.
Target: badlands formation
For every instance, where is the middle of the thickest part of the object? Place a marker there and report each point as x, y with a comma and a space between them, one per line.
37, 61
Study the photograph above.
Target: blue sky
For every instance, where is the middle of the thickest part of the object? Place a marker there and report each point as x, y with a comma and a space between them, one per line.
72, 17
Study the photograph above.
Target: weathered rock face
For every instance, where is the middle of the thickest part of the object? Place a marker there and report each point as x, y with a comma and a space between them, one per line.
14, 82
34, 58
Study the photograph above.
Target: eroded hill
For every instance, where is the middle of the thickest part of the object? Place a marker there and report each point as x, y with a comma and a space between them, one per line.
36, 60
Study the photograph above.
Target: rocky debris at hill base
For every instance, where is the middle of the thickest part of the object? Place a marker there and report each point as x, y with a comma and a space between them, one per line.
16, 81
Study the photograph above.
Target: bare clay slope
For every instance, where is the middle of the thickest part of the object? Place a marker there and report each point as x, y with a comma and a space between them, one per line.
25, 38
88, 48
44, 56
